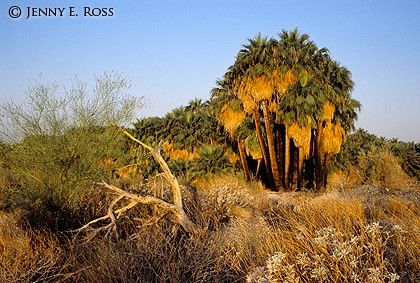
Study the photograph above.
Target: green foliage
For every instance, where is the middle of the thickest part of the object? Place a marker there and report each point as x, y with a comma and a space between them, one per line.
193, 128
58, 171
359, 142
59, 146
409, 154
212, 161
379, 161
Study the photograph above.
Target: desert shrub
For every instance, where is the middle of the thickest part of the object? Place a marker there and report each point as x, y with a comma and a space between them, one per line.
381, 168
378, 166
54, 146
335, 257
228, 196
378, 161
334, 238
52, 177
409, 154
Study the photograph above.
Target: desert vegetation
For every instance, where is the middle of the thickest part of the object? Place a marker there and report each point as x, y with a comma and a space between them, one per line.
267, 181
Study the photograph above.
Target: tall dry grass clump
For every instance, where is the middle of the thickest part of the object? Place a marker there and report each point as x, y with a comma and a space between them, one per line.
152, 254
27, 255
239, 227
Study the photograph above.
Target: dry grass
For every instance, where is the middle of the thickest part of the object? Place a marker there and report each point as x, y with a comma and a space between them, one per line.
331, 238
247, 234
339, 181
27, 255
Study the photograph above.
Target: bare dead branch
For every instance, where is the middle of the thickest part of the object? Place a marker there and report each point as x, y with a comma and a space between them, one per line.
153, 220
176, 190
176, 208
112, 216
105, 217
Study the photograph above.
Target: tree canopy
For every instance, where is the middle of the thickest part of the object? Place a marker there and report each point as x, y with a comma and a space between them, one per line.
300, 102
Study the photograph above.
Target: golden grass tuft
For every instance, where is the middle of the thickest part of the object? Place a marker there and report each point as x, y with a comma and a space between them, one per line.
344, 180
243, 242
27, 255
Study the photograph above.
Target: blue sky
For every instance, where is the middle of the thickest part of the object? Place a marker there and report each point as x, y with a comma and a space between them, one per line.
175, 50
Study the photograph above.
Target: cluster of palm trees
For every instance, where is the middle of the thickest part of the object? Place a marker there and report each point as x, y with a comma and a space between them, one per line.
288, 105
195, 143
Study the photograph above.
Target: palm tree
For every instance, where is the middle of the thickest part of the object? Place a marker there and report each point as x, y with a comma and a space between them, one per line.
298, 109
253, 84
212, 161
230, 113
296, 98
337, 114
246, 133
195, 105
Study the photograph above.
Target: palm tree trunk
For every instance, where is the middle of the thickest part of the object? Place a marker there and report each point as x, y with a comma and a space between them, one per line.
325, 169
294, 167
280, 150
310, 165
244, 161
258, 168
300, 168
286, 159
271, 146
263, 148
318, 157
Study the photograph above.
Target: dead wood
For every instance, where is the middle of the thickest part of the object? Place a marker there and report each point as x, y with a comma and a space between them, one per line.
176, 208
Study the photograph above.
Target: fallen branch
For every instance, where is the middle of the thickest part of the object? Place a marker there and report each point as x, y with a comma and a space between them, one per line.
105, 217
176, 208
176, 190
